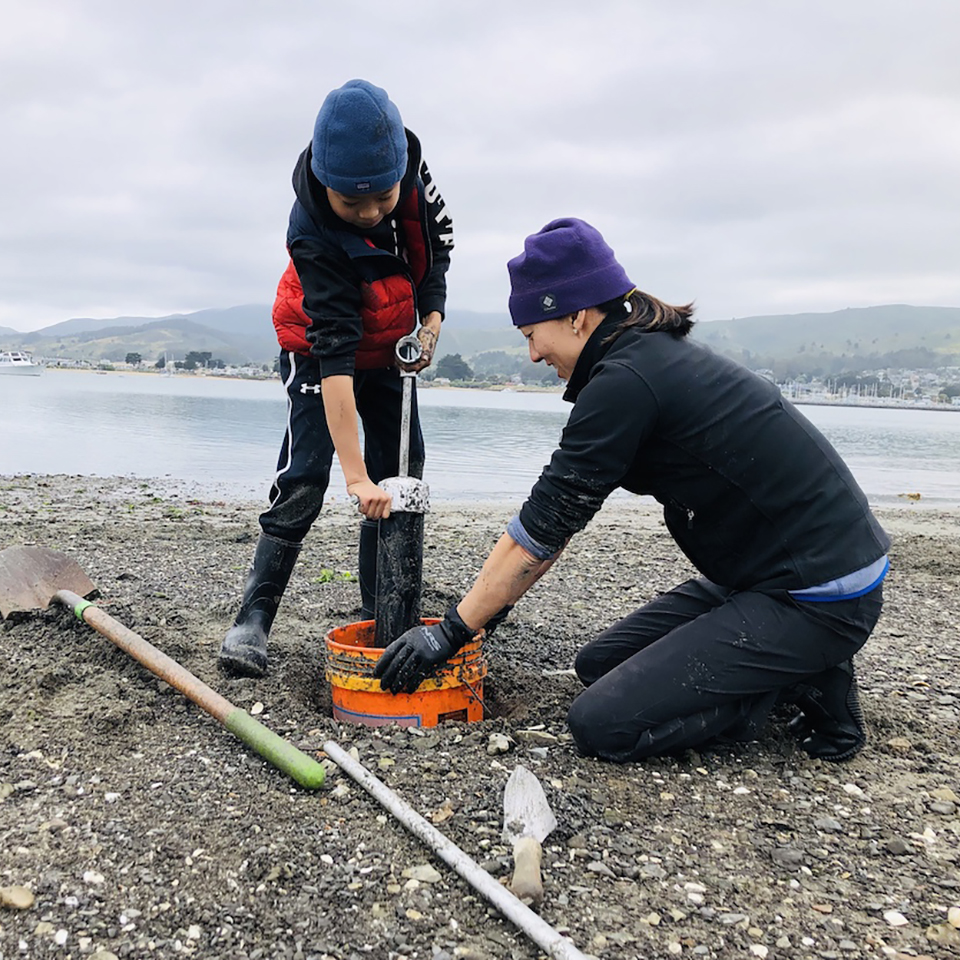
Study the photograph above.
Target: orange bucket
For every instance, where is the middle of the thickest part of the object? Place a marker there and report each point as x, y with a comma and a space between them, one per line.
455, 692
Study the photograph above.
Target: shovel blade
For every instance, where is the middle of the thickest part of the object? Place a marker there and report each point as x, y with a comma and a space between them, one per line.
30, 576
526, 812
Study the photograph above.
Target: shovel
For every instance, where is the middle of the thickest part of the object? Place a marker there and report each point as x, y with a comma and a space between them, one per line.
527, 822
33, 577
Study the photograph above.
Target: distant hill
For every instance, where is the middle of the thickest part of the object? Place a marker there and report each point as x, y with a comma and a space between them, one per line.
896, 335
236, 335
468, 333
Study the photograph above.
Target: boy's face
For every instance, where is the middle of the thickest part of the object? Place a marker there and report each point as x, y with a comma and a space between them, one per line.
366, 211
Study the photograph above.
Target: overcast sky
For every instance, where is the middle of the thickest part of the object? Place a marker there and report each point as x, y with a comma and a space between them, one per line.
755, 156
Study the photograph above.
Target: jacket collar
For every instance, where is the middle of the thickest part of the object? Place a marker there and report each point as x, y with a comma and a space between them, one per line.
593, 352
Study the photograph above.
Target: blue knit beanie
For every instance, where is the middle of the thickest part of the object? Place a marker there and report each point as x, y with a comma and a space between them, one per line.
359, 144
564, 267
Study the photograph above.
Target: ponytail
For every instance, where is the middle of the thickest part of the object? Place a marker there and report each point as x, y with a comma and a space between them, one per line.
648, 314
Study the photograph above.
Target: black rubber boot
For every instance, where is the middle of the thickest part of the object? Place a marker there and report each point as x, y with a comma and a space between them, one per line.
830, 725
244, 649
367, 568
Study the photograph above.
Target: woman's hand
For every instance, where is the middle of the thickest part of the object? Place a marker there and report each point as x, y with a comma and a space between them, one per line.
374, 502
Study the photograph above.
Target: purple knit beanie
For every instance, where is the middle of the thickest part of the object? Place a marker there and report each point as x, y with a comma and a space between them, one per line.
359, 144
564, 267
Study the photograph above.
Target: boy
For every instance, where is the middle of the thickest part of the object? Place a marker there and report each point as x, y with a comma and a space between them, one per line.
369, 240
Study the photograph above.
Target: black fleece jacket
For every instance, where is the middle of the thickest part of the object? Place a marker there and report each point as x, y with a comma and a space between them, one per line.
752, 492
331, 280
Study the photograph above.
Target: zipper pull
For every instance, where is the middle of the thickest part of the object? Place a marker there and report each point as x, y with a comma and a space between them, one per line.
689, 518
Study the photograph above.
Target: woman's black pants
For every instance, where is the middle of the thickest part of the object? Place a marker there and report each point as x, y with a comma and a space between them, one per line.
702, 662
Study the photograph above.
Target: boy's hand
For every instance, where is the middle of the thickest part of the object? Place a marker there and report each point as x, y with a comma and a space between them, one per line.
374, 502
428, 335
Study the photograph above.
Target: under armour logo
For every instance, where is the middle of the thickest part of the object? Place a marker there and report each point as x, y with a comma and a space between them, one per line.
548, 303
309, 387
363, 186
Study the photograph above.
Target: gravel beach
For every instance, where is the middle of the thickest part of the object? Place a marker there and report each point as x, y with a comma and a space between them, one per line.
133, 825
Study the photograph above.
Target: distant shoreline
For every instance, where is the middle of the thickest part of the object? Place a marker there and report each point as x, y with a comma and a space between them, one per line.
938, 408
519, 388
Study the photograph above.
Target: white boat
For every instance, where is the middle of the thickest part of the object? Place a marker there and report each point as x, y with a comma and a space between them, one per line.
14, 362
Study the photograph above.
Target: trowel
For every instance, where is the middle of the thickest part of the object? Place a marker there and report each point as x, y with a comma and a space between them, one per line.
527, 822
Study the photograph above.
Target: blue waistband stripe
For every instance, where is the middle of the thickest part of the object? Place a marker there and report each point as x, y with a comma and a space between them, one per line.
847, 587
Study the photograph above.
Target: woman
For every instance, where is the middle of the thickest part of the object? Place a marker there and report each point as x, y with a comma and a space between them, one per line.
791, 558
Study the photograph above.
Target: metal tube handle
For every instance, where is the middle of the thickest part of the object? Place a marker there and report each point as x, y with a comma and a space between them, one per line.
408, 351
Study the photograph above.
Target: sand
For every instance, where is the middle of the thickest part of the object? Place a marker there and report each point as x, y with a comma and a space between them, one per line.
136, 826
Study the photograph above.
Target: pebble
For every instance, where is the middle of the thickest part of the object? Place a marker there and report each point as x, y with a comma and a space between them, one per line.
895, 918
536, 736
828, 825
595, 866
788, 856
899, 745
759, 950
953, 917
17, 898
896, 846
423, 872
256, 709
944, 807
498, 743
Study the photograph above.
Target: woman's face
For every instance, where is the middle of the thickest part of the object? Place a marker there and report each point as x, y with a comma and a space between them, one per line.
556, 342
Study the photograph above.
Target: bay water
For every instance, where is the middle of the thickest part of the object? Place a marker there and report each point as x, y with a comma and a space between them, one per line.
221, 437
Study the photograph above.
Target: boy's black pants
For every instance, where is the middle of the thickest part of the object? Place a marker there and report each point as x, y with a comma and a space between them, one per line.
703, 661
303, 467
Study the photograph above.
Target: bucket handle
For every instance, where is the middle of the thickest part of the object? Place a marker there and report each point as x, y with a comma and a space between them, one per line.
475, 696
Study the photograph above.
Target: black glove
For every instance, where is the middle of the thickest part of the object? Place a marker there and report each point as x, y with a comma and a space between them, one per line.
497, 619
413, 656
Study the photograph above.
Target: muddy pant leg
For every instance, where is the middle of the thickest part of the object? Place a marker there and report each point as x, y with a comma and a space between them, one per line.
367, 568
303, 467
714, 673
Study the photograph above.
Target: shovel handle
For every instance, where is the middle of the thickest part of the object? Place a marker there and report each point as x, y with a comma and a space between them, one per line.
272, 747
526, 883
